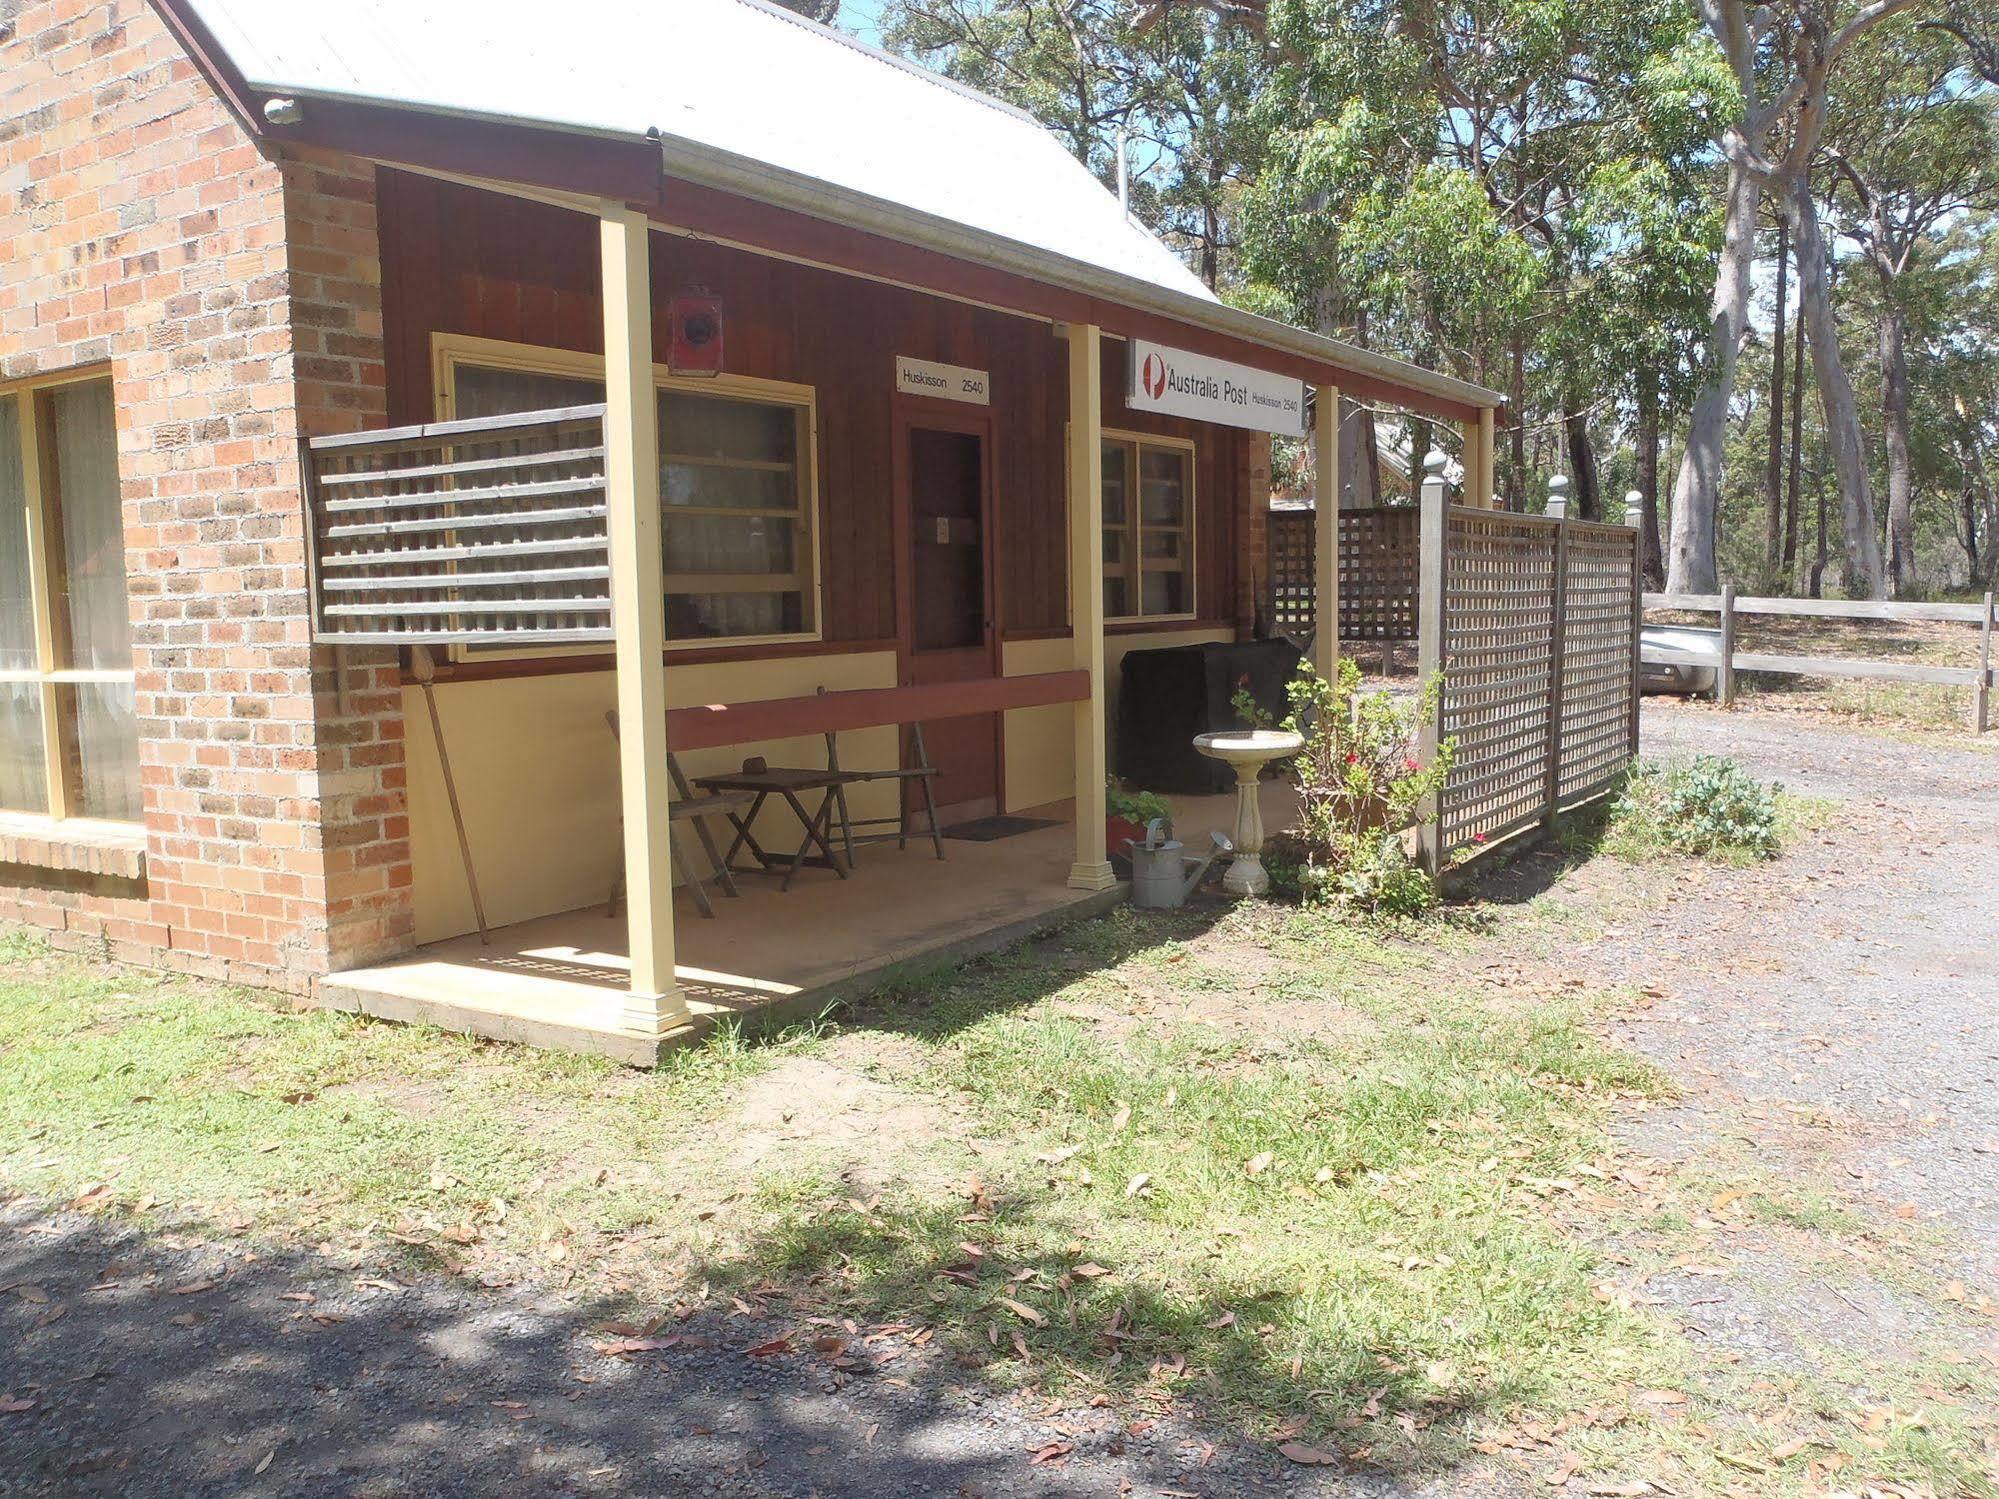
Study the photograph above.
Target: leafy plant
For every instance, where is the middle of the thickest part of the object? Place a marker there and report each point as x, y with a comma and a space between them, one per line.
1360, 787
1708, 806
1140, 807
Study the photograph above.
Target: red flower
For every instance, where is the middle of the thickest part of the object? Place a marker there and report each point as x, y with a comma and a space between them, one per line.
1410, 765
1353, 759
1478, 837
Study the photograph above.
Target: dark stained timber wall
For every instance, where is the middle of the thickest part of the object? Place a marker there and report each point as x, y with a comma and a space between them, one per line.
459, 260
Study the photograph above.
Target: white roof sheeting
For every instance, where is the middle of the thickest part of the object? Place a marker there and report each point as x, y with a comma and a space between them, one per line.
734, 76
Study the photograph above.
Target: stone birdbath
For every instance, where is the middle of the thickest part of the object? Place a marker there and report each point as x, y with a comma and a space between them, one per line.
1248, 750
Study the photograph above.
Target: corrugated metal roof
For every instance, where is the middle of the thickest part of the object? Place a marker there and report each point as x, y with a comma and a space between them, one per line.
737, 76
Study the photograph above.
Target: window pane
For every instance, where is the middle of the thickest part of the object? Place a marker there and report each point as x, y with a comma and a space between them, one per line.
713, 485
91, 599
718, 427
17, 620
1117, 598
730, 544
1167, 545
1116, 457
1163, 486
698, 616
1166, 593
104, 780
488, 392
23, 787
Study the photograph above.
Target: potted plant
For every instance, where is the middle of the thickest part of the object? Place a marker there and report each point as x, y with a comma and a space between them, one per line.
1127, 812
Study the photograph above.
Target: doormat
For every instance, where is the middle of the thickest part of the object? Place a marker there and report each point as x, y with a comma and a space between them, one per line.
992, 829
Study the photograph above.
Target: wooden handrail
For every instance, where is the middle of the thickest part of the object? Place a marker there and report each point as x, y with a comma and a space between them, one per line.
714, 725
1710, 603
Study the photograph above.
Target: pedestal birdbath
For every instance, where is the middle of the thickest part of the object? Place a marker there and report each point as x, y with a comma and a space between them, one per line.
1248, 750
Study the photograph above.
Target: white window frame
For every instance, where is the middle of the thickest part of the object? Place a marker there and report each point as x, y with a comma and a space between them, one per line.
1134, 526
451, 350
43, 564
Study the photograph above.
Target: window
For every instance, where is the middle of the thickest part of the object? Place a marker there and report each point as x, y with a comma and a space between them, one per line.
1148, 528
69, 736
736, 484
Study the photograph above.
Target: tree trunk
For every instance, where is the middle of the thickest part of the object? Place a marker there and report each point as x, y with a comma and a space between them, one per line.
1792, 523
1584, 487
1818, 563
1516, 410
1844, 446
1360, 473
1651, 555
1895, 425
1690, 566
1773, 470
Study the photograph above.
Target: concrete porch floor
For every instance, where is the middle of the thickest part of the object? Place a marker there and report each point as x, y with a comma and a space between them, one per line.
770, 955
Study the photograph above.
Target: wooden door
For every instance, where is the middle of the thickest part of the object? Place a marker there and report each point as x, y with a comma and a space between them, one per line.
948, 631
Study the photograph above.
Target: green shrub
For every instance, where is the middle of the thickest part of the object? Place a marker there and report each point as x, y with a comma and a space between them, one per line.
1708, 806
1140, 807
1359, 786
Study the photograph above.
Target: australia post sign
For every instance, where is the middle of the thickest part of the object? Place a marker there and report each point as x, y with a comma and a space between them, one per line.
1176, 383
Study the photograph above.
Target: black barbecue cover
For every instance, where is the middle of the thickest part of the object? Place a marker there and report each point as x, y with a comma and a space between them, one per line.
1166, 697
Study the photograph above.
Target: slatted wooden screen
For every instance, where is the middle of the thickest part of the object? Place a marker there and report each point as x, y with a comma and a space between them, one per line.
485, 532
1378, 572
1499, 650
1599, 675
1535, 637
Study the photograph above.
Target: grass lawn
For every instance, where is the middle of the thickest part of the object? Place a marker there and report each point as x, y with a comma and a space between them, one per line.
1327, 1184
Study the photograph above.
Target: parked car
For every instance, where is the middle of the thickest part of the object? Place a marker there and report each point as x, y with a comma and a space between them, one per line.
1679, 678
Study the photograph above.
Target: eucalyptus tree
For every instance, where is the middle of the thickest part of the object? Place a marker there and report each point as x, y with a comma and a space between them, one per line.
1166, 84
1781, 57
1505, 193
1914, 143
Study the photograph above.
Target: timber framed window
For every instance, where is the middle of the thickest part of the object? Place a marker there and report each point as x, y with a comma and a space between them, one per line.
1148, 527
69, 734
738, 485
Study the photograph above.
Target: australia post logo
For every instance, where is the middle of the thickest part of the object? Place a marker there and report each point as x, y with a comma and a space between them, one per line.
1153, 376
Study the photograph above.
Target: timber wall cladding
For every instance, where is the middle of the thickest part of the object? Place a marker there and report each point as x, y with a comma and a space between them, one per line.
234, 301
459, 260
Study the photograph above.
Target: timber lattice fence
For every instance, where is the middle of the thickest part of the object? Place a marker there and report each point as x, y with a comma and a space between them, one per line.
1533, 630
1378, 573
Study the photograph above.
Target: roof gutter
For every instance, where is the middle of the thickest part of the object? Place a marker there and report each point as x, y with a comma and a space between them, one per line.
709, 166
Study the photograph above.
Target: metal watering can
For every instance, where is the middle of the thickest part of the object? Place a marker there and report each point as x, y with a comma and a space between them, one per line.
1163, 875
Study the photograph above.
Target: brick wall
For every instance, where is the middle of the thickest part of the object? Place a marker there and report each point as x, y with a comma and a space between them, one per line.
236, 300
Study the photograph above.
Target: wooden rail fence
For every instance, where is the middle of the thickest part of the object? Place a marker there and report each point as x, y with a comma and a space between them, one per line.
1729, 661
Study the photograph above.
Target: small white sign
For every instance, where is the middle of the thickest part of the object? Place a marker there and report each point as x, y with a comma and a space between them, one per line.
1176, 383
946, 382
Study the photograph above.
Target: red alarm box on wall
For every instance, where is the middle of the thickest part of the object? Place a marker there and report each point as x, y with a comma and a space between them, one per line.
697, 334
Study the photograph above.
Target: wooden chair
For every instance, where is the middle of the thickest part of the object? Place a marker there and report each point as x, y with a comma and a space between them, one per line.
695, 807
920, 770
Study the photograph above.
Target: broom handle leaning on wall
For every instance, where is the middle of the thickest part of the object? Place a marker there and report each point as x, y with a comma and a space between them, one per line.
426, 672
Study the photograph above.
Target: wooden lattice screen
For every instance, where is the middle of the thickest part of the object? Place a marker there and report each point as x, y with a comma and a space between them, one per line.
485, 532
1378, 572
1534, 632
1498, 704
1601, 612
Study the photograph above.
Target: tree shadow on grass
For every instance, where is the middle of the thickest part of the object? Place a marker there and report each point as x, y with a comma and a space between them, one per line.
137, 1363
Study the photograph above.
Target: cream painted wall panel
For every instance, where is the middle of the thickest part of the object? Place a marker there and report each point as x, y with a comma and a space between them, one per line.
1040, 742
537, 776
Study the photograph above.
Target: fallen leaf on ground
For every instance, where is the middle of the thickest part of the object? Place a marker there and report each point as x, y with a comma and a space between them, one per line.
1023, 1311
1308, 1456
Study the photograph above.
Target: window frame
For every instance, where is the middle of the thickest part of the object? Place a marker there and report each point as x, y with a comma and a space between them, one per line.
45, 564
451, 350
1134, 526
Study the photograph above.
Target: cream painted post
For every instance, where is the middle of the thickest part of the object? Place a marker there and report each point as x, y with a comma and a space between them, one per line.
1092, 869
1326, 532
1488, 432
638, 612
1477, 460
